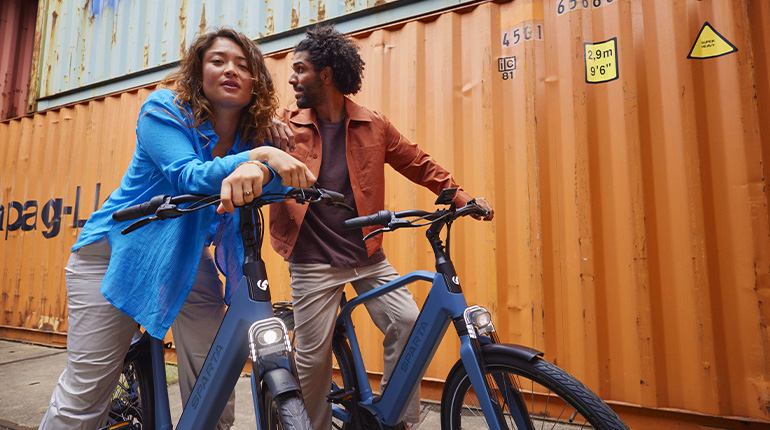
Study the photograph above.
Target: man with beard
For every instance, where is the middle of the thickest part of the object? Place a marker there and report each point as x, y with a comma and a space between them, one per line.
346, 146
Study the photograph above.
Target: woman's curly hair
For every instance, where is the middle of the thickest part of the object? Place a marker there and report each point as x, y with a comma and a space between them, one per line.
255, 118
328, 47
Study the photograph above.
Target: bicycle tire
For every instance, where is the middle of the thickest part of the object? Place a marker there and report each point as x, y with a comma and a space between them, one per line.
133, 400
541, 385
286, 412
347, 379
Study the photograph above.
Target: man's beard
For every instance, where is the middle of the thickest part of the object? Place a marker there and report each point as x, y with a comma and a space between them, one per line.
312, 95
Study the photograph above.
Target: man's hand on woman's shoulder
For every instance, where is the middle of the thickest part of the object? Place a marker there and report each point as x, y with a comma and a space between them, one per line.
281, 136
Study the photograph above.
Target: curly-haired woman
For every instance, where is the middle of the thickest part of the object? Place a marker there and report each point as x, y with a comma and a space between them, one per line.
205, 137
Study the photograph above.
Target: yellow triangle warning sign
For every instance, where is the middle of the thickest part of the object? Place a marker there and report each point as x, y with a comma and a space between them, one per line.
710, 44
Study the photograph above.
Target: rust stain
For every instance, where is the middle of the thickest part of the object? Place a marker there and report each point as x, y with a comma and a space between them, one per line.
379, 2
146, 55
83, 59
89, 16
182, 28
294, 18
48, 323
35, 78
350, 5
321, 11
114, 33
202, 26
48, 79
269, 22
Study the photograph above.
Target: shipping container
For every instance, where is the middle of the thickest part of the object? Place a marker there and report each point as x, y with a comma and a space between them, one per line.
17, 37
90, 48
621, 143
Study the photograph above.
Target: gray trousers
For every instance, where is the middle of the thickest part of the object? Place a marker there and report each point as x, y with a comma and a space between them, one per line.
316, 290
99, 336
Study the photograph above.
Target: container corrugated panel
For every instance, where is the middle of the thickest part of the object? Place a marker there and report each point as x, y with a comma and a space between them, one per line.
57, 167
89, 42
17, 36
631, 240
653, 201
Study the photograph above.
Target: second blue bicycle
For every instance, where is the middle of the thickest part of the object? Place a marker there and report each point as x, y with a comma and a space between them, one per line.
493, 385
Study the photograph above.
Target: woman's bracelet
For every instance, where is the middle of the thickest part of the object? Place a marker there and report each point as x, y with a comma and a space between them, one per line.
254, 162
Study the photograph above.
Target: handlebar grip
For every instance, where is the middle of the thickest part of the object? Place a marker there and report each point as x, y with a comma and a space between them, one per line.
140, 210
380, 218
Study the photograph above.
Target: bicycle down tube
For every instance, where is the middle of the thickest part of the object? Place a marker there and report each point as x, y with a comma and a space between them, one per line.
225, 361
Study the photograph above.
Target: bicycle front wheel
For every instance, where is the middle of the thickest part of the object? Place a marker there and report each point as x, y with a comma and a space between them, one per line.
544, 395
286, 412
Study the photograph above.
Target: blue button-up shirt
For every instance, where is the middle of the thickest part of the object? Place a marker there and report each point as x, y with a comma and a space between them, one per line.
152, 270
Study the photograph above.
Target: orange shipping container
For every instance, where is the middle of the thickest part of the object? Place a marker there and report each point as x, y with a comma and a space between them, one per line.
620, 141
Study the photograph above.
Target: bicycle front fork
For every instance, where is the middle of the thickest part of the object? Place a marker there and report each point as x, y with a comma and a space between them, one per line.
272, 361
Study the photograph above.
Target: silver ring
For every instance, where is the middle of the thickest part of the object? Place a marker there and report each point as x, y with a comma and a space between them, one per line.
248, 193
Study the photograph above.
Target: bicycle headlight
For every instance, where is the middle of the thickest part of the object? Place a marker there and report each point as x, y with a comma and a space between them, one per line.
267, 337
478, 320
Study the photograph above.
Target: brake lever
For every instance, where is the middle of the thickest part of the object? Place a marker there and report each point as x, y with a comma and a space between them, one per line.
167, 211
393, 225
138, 224
376, 232
342, 205
328, 200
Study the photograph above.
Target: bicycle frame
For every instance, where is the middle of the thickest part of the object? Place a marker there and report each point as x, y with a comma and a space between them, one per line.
250, 305
441, 307
221, 370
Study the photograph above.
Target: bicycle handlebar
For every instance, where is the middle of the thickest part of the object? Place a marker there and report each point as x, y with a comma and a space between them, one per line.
151, 206
164, 206
394, 220
156, 203
382, 218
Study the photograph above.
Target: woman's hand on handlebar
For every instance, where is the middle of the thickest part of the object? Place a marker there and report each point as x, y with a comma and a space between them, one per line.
484, 204
293, 172
243, 185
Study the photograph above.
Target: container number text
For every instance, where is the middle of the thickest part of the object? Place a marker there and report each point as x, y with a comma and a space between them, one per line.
522, 33
565, 6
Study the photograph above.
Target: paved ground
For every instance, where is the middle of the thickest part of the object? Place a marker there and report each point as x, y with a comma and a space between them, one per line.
28, 374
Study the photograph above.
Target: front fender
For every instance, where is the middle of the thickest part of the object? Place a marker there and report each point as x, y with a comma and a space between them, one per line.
520, 351
279, 381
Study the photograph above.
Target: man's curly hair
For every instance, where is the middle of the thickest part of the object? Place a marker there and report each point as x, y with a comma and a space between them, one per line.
325, 46
257, 116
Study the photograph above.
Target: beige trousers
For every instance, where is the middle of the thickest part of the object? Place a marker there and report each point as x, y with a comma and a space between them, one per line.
316, 293
99, 336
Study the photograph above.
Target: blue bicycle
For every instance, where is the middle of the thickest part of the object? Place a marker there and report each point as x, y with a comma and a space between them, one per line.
249, 328
493, 385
